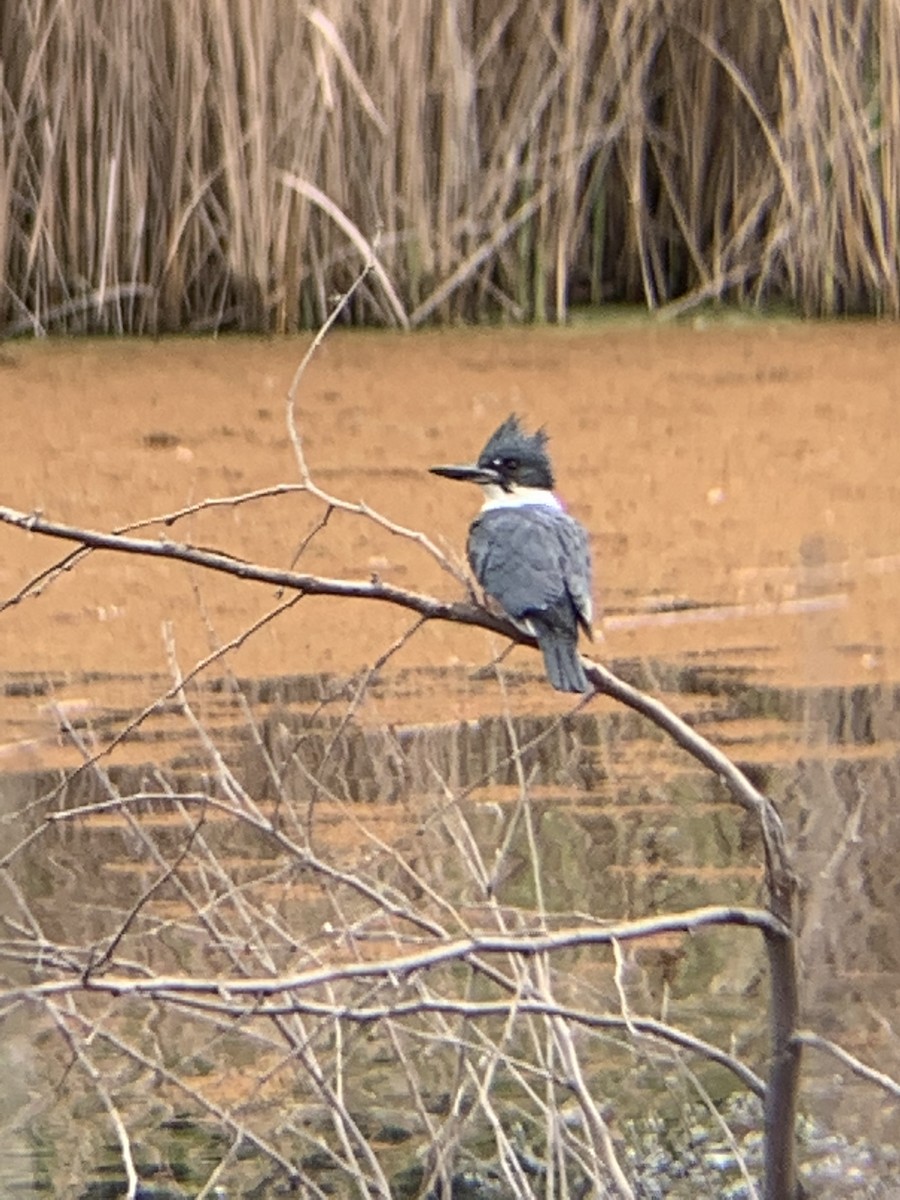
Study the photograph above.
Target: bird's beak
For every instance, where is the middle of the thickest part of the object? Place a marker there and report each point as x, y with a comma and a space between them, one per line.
468, 474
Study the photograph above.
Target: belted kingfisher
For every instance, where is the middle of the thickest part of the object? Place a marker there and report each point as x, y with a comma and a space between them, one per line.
527, 552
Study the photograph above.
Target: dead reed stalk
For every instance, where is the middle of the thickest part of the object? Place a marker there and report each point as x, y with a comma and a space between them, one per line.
513, 158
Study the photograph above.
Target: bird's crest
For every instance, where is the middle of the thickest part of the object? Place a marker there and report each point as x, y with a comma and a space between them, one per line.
511, 440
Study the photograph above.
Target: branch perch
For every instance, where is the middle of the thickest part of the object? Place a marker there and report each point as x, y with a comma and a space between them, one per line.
777, 924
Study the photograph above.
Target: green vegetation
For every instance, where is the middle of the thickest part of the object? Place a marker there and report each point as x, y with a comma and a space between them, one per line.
184, 165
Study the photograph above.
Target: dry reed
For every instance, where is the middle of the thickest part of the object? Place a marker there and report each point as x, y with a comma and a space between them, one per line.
509, 158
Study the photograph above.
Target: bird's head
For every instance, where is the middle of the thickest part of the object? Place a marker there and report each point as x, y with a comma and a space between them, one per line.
511, 460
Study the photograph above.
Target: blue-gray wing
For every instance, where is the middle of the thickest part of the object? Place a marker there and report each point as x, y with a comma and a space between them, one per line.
534, 560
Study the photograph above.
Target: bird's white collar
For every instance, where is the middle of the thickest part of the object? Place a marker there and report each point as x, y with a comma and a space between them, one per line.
496, 497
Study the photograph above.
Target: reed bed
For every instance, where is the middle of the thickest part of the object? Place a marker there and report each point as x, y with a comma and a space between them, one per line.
207, 164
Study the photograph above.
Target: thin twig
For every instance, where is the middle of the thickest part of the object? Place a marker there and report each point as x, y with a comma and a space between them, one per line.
76, 1045
312, 585
806, 1038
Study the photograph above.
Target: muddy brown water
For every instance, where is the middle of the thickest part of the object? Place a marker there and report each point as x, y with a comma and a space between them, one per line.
740, 484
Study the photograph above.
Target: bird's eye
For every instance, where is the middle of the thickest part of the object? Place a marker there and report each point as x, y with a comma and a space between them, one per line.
510, 464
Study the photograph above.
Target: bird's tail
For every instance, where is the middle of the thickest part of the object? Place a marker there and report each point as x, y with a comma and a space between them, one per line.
561, 661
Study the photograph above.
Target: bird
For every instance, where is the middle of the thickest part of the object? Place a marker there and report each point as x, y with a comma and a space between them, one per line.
527, 552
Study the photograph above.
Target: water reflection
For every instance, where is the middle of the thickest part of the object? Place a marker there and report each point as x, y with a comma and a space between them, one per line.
504, 823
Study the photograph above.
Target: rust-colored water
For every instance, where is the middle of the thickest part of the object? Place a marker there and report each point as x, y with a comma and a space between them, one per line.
722, 464
738, 466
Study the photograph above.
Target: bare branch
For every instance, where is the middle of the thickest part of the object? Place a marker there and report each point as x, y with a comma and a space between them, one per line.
780, 876
96, 1030
806, 1038
309, 585
334, 502
444, 951
212, 502
781, 882
107, 956
76, 1045
476, 1009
